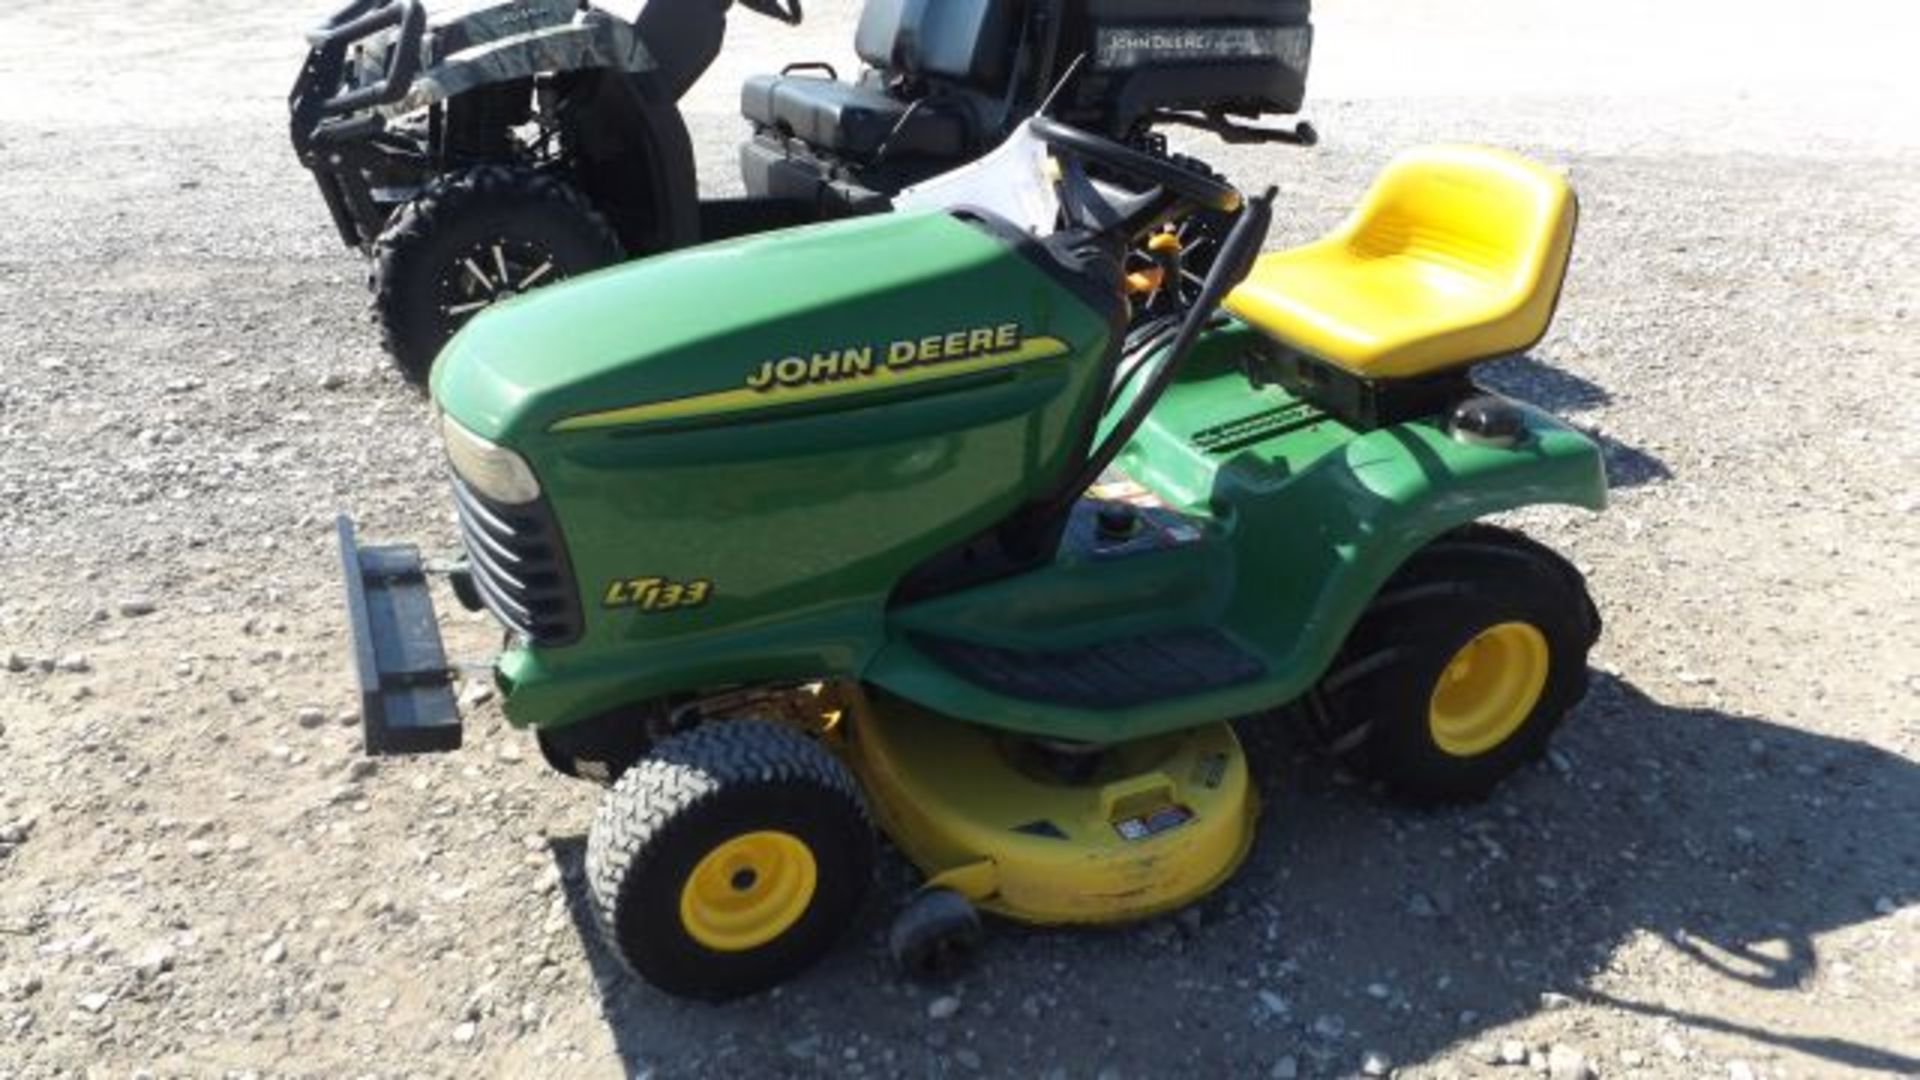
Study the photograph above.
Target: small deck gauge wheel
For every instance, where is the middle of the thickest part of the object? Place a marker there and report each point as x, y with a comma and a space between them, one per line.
1461, 668
729, 859
936, 936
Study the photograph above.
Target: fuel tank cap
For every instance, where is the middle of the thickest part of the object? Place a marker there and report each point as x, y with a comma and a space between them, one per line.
1487, 420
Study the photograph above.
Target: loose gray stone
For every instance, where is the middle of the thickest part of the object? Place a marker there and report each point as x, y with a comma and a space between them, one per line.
93, 1002
1567, 1063
154, 961
1287, 1068
1375, 1063
135, 606
943, 1007
310, 716
1513, 1052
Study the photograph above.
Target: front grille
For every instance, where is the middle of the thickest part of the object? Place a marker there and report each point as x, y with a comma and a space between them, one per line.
520, 566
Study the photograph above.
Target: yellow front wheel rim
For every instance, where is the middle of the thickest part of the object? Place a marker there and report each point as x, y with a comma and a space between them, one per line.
748, 891
1488, 689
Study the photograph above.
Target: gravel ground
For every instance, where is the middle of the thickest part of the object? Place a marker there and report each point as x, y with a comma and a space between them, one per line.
1716, 874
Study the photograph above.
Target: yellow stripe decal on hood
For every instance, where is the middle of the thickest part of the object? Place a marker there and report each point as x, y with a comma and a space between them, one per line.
840, 373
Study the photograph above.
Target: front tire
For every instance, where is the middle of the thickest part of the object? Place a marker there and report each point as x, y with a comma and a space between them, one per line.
730, 859
1461, 669
472, 239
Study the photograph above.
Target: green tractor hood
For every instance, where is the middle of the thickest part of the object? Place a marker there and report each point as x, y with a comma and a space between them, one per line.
696, 323
742, 449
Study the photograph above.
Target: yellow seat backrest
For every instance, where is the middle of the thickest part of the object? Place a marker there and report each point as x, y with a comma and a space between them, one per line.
1475, 210
1456, 254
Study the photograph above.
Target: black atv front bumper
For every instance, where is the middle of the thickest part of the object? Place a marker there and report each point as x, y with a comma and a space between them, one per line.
406, 686
333, 126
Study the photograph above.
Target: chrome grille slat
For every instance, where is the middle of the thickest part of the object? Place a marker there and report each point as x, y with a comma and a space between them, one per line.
504, 607
500, 551
480, 549
519, 566
471, 503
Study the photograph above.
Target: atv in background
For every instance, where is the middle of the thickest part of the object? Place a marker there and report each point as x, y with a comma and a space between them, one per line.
948, 80
475, 149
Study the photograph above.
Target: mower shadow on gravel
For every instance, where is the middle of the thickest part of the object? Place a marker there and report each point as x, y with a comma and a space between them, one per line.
1557, 391
1738, 841
1358, 925
1565, 394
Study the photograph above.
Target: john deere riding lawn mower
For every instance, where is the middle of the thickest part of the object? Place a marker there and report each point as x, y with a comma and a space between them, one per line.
476, 149
920, 528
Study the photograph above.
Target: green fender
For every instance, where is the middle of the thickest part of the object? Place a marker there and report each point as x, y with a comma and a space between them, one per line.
1300, 519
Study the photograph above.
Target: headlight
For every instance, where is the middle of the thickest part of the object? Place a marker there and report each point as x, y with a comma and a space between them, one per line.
493, 471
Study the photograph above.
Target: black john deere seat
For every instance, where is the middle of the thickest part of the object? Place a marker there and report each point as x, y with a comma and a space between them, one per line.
935, 94
931, 67
946, 80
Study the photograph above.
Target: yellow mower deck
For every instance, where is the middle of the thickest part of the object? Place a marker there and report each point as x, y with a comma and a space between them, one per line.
1161, 823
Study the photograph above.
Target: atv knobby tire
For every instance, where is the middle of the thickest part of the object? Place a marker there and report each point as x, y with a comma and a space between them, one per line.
508, 222
1373, 706
697, 796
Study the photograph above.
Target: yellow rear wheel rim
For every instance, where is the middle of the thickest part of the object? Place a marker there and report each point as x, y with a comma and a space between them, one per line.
748, 891
1488, 689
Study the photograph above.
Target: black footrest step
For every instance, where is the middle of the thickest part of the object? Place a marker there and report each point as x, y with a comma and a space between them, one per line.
1130, 671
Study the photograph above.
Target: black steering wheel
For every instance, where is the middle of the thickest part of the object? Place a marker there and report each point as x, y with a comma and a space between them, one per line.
786, 11
1204, 192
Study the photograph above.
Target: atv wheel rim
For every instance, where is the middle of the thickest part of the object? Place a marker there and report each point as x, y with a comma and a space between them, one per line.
748, 891
1488, 689
491, 271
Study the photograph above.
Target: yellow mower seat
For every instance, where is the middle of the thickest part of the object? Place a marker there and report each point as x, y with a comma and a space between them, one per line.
1456, 255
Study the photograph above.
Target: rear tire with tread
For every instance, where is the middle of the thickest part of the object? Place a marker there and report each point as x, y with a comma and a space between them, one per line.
1373, 705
